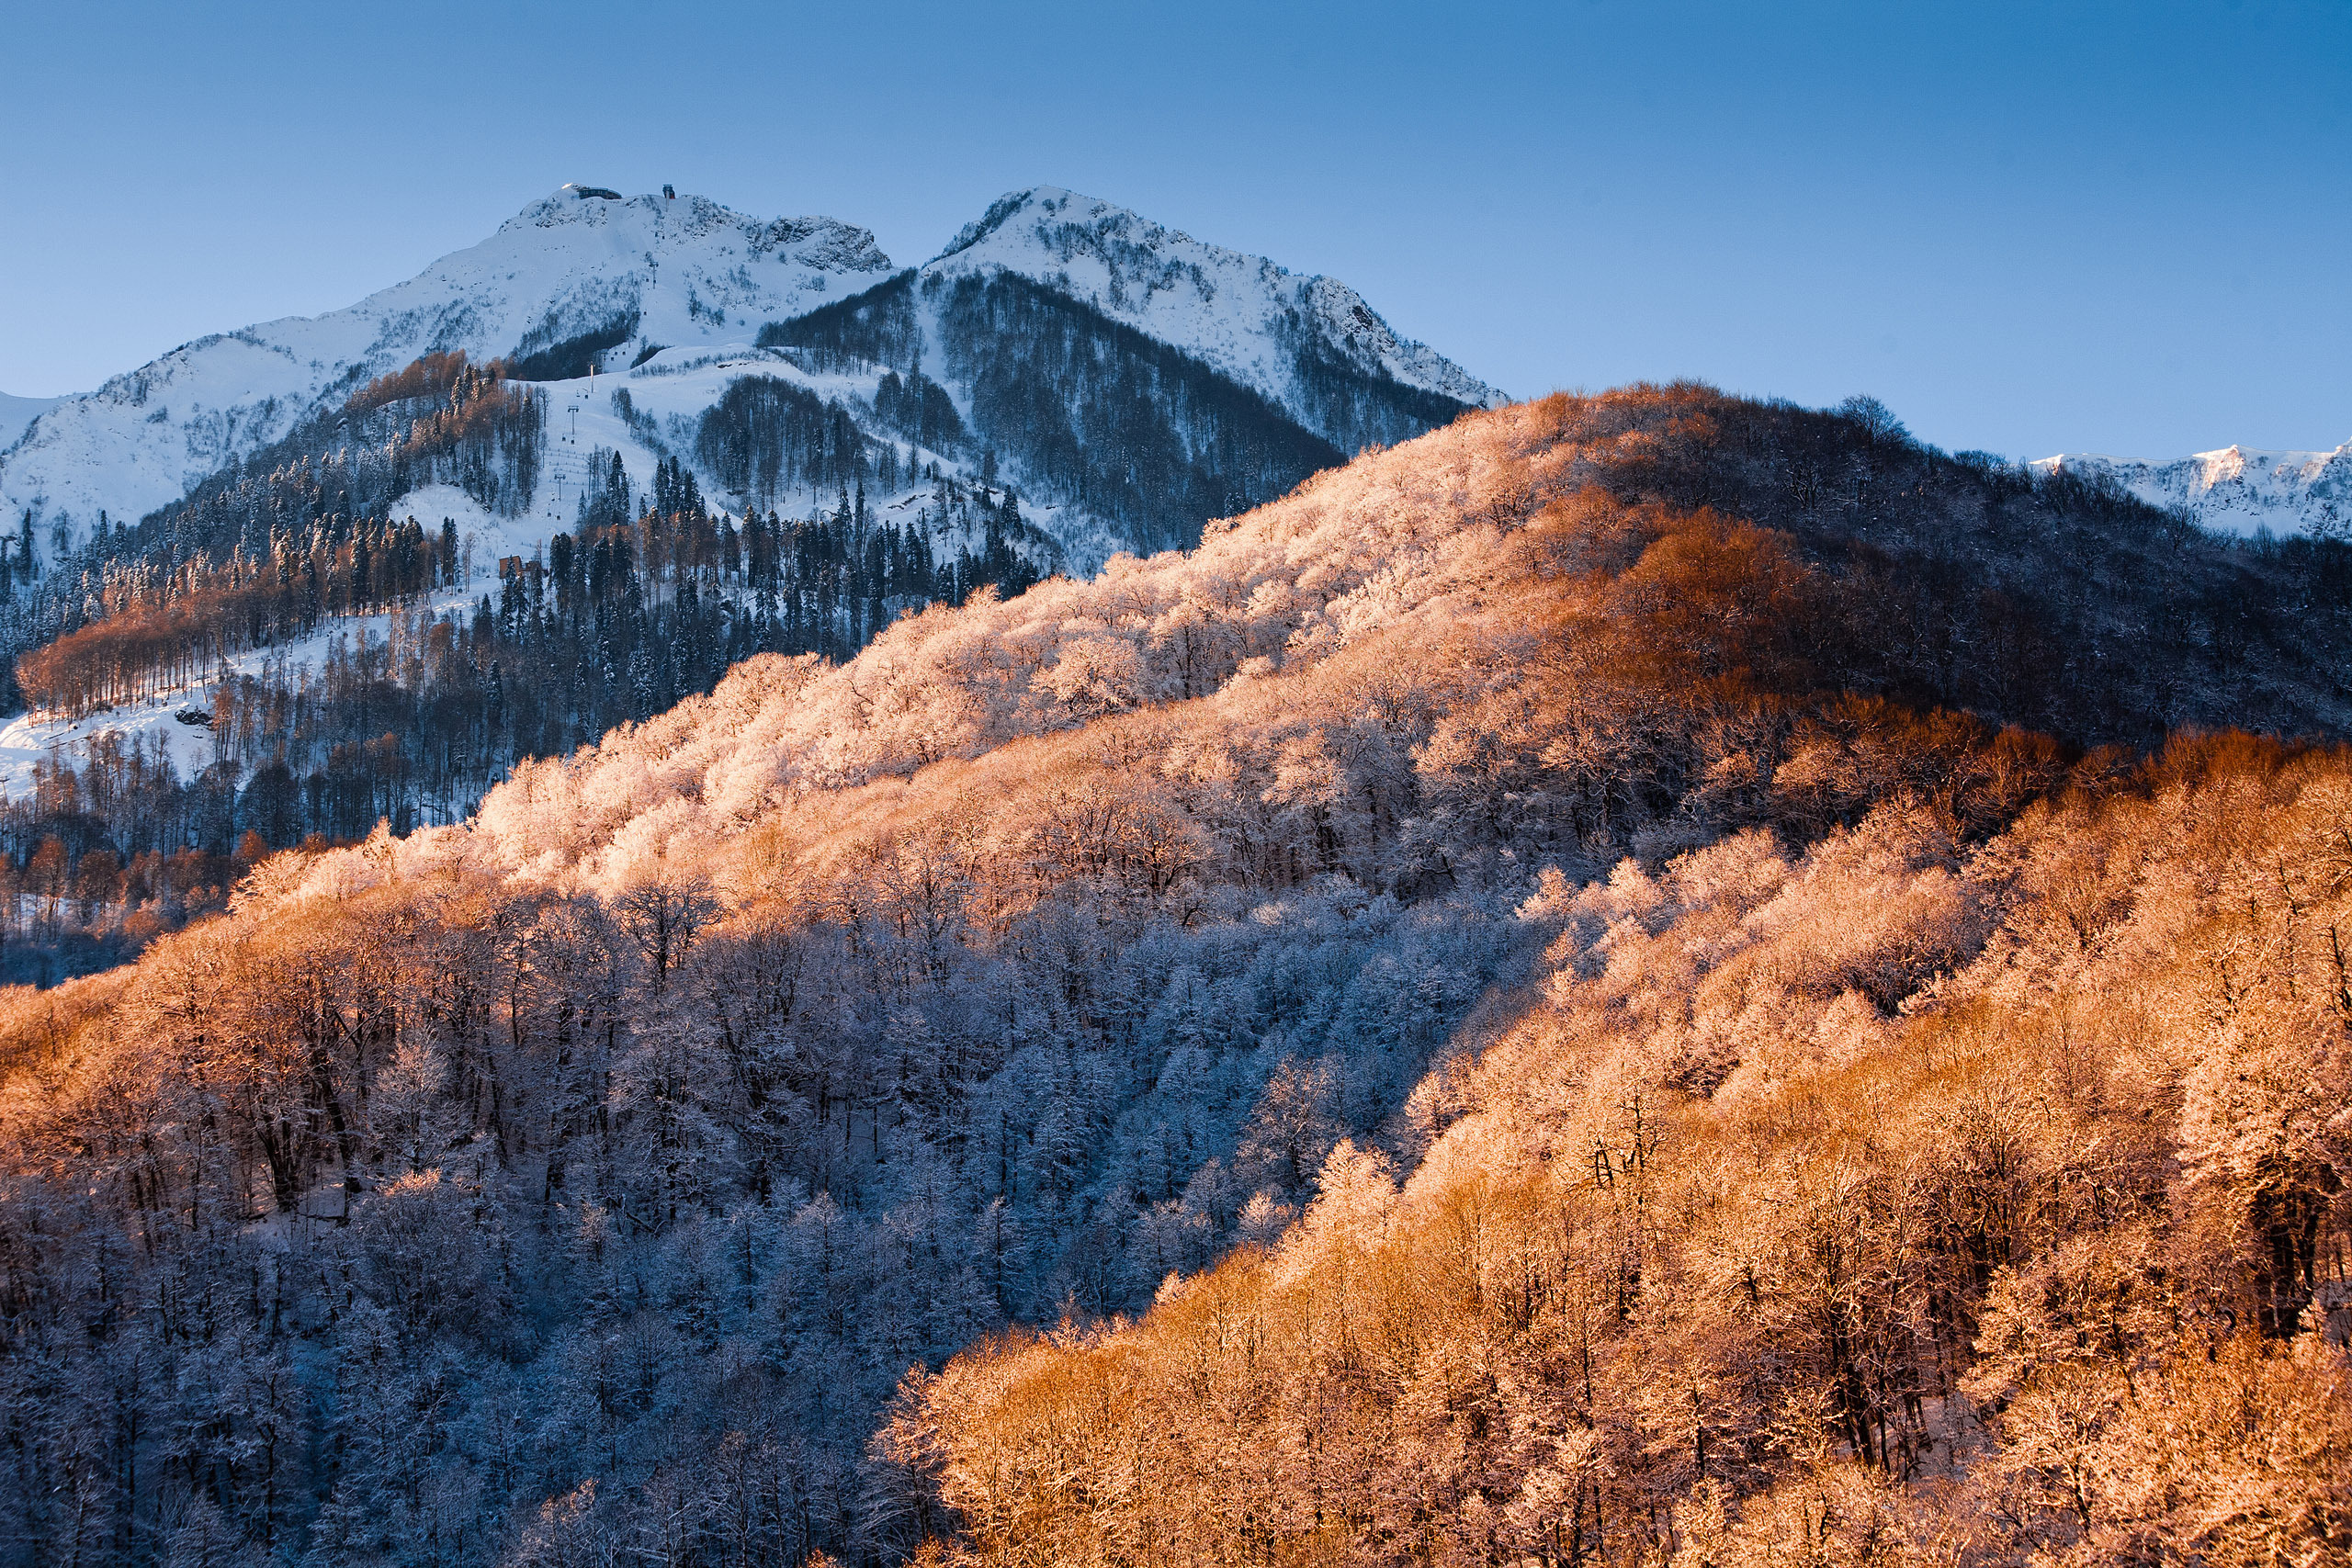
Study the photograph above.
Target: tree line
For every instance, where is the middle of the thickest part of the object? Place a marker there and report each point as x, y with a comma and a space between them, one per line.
292, 513
167, 635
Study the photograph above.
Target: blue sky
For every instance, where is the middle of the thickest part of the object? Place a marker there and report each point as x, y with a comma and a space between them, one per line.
2027, 229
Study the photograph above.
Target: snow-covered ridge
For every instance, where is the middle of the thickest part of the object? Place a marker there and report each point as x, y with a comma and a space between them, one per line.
688, 270
681, 283
1241, 314
2237, 489
16, 413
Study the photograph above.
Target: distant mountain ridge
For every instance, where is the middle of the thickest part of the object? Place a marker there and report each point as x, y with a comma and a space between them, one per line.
679, 271
2237, 489
588, 281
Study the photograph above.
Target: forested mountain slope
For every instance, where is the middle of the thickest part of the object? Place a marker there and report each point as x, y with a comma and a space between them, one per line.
282, 582
1556, 809
1311, 345
1904, 1202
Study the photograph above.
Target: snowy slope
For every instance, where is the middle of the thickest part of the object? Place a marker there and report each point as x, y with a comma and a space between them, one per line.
1241, 314
155, 725
16, 413
669, 392
690, 269
27, 736
2237, 489
690, 276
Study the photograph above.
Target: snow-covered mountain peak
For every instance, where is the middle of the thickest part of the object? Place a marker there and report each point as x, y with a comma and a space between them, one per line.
585, 204
1240, 314
628, 272
587, 280
2235, 490
1061, 220
666, 225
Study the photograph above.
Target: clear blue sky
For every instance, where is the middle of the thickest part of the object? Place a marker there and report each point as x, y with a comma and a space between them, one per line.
2117, 228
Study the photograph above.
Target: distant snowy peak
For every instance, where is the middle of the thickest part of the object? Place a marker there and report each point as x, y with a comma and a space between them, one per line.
1241, 314
587, 279
2237, 489
622, 272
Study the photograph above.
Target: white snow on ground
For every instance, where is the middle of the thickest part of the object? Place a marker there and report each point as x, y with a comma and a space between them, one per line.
676, 385
695, 272
25, 742
2237, 489
1230, 310
28, 738
17, 412
671, 391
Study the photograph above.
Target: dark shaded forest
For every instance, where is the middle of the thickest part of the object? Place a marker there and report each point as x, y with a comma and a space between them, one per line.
1126, 427
1093, 412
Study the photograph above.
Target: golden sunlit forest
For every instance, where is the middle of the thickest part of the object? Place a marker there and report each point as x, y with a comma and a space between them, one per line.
1650, 978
